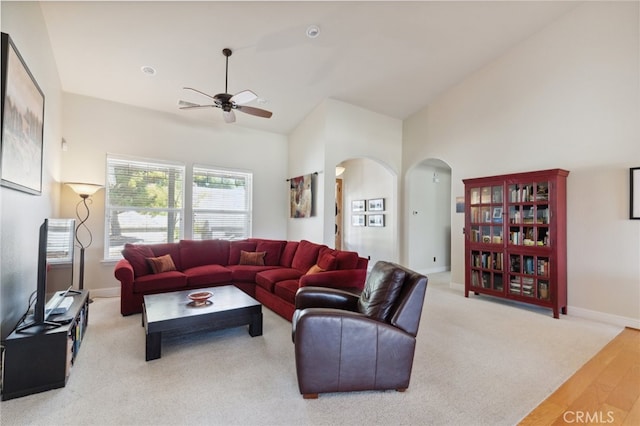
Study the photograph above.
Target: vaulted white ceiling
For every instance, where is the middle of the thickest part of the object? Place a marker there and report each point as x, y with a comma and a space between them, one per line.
390, 57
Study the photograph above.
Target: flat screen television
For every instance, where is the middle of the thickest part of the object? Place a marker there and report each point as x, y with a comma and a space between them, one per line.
55, 246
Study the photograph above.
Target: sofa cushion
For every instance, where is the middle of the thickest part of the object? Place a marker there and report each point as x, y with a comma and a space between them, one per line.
286, 290
344, 259
288, 252
137, 255
267, 279
380, 291
207, 274
235, 247
255, 258
327, 261
273, 248
246, 273
168, 248
306, 255
161, 264
205, 252
164, 281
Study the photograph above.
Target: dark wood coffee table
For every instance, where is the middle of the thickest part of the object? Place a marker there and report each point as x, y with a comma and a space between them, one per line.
230, 307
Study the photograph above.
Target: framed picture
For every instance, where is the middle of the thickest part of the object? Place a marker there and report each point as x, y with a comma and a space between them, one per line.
375, 220
497, 214
358, 220
634, 186
22, 123
357, 206
376, 205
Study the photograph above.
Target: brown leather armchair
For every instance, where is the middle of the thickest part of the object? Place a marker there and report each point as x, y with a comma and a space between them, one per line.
349, 342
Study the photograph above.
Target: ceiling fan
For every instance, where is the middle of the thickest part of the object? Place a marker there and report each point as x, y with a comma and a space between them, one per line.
226, 101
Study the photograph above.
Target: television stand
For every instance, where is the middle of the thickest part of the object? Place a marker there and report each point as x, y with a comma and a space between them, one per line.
42, 358
35, 327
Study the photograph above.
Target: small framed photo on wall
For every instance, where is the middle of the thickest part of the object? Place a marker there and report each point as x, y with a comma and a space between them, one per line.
375, 220
634, 189
358, 220
376, 205
358, 206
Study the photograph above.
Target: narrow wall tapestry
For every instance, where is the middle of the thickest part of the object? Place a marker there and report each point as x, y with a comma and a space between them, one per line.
301, 196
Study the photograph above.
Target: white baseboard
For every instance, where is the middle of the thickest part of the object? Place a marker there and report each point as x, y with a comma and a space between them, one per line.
604, 317
589, 314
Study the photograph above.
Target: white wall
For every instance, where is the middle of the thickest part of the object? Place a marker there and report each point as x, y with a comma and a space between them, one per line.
307, 147
335, 132
567, 97
428, 217
365, 179
21, 214
93, 128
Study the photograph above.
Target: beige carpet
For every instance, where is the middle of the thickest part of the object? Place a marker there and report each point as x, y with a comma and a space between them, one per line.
479, 361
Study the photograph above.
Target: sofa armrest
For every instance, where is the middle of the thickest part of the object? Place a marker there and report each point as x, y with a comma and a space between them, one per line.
345, 278
124, 272
324, 297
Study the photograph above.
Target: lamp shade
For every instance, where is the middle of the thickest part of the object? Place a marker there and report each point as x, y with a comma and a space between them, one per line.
339, 170
84, 189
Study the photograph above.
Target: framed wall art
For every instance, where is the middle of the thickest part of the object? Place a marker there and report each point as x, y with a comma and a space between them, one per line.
358, 220
376, 205
358, 206
375, 220
634, 189
22, 123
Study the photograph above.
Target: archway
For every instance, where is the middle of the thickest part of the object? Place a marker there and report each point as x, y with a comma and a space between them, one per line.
371, 233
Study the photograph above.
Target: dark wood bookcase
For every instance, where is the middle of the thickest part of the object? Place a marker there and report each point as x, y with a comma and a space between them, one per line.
515, 237
37, 361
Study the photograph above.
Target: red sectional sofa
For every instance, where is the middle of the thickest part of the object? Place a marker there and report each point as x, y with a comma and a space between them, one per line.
271, 271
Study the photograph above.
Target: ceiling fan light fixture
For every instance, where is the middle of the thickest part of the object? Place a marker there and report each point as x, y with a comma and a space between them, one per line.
313, 31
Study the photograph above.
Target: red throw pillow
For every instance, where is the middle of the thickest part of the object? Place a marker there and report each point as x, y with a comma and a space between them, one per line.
327, 261
137, 255
161, 264
254, 258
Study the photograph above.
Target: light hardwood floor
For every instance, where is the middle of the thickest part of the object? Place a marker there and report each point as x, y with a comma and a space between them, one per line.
606, 390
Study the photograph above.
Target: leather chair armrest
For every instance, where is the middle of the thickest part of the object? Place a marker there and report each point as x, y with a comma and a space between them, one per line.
324, 297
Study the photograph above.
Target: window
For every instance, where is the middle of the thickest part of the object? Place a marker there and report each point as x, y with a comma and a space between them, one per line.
60, 240
221, 204
144, 203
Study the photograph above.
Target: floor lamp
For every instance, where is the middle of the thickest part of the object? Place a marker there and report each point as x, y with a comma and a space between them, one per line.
84, 190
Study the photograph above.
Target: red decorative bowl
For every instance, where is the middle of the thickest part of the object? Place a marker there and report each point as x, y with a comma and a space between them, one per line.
200, 298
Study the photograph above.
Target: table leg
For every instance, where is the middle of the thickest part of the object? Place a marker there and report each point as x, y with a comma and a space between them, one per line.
153, 346
255, 328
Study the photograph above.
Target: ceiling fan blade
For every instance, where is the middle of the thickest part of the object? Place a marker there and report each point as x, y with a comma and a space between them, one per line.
229, 116
198, 91
255, 111
243, 97
191, 105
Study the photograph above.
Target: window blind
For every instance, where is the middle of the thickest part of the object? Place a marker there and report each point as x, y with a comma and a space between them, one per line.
144, 203
221, 204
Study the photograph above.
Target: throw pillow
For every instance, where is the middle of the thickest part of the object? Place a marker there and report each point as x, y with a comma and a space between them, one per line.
327, 261
314, 270
255, 258
161, 264
137, 255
